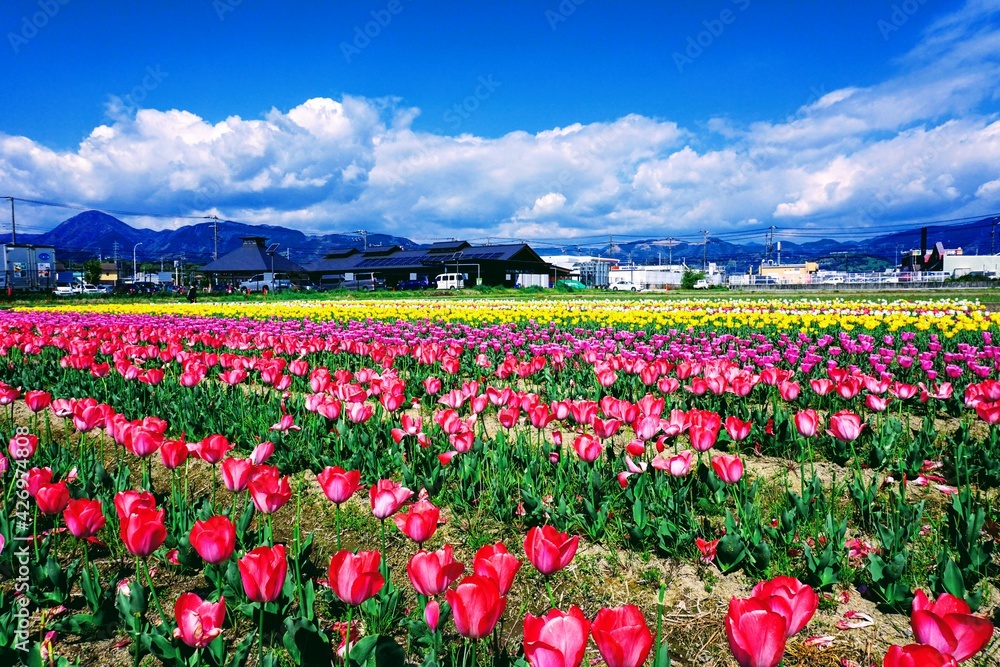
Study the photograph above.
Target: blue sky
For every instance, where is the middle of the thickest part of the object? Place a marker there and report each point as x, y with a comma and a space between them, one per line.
527, 119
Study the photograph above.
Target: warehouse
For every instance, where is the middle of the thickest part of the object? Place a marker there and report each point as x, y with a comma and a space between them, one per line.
508, 265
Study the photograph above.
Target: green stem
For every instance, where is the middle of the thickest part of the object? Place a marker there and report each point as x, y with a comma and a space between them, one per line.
552, 598
260, 638
152, 589
347, 642
337, 522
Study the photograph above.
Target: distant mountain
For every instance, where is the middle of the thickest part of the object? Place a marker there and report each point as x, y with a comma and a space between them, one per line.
92, 232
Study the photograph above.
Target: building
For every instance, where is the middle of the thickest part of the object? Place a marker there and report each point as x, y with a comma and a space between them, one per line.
790, 274
508, 265
109, 273
253, 257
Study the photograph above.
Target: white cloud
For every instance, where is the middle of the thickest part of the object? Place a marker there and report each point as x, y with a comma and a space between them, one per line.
922, 143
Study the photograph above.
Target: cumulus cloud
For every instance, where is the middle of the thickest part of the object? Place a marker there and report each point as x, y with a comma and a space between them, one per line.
922, 143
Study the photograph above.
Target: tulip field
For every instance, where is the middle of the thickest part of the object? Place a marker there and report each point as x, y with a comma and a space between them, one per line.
550, 482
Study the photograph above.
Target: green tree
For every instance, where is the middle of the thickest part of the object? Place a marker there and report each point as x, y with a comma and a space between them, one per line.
690, 277
92, 271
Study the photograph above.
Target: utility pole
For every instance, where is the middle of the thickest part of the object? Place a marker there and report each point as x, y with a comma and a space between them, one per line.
13, 226
670, 244
364, 236
215, 234
704, 254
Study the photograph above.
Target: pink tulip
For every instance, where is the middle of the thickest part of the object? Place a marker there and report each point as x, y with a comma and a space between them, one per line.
790, 598
198, 622
622, 636
548, 549
729, 468
948, 626
386, 497
756, 634
557, 639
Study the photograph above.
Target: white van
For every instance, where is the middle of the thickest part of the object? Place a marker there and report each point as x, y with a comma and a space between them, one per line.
450, 281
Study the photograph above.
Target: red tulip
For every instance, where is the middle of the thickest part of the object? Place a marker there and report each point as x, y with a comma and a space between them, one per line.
756, 635
355, 577
173, 453
269, 490
432, 615
807, 422
557, 639
130, 501
37, 478
52, 498
708, 549
738, 429
728, 467
386, 497
37, 400
948, 626
476, 606
143, 531
236, 473
622, 636
198, 622
212, 448
789, 597
845, 426
214, 539
419, 522
703, 429
339, 484
917, 655
548, 549
495, 562
263, 572
431, 572
84, 518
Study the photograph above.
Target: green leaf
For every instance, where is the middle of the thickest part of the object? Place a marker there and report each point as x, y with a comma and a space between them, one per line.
662, 658
953, 581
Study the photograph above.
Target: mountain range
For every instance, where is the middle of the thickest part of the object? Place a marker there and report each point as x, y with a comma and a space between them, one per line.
94, 233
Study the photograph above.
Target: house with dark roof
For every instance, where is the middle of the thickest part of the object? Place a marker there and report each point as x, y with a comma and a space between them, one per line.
253, 257
500, 265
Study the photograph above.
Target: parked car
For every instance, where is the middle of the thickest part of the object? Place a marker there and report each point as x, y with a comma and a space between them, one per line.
418, 284
143, 288
834, 280
449, 281
64, 289
626, 286
702, 284
266, 283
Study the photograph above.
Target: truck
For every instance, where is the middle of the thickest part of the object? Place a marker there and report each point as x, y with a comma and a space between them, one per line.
265, 283
27, 268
